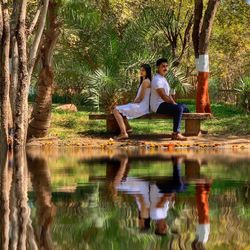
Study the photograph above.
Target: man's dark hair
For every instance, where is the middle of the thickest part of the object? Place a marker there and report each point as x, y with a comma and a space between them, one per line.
160, 61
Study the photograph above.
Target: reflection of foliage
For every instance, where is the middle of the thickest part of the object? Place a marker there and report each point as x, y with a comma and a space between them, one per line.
87, 218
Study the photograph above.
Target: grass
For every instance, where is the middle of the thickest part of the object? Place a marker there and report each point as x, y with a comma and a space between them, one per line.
229, 120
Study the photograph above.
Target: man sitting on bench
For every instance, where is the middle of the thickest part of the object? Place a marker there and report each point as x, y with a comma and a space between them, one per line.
162, 102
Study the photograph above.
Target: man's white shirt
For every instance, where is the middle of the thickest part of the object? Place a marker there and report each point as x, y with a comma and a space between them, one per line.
158, 82
151, 195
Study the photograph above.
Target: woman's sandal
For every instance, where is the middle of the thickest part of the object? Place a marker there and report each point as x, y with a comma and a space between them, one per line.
121, 137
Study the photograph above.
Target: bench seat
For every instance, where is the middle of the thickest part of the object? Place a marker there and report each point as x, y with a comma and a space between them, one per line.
192, 121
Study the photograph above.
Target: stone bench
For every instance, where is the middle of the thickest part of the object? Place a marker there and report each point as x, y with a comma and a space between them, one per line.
192, 121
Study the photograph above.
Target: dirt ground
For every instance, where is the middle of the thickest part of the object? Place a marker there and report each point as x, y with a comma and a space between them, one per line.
151, 141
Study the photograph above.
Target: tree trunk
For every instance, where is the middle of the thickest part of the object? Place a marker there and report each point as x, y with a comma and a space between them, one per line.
201, 35
14, 57
22, 88
41, 115
6, 116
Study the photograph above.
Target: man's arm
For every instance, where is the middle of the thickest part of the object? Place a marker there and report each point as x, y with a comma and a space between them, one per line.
161, 92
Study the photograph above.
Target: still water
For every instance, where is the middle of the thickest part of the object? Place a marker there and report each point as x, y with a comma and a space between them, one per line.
130, 199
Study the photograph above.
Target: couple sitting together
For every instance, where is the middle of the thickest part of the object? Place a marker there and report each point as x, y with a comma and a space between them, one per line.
154, 95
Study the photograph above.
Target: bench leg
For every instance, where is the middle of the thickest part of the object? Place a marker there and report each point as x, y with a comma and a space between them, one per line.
192, 127
112, 125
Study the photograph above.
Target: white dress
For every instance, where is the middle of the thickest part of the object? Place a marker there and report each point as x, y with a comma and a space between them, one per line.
135, 110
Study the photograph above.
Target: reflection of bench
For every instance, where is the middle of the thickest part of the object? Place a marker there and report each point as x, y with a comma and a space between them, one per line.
192, 121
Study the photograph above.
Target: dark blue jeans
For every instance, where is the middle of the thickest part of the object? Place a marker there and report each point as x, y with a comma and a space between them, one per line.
174, 185
175, 110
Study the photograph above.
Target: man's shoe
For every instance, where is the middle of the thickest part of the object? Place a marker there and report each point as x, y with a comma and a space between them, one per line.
178, 137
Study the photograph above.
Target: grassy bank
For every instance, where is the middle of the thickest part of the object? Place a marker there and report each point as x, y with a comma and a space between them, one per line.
228, 121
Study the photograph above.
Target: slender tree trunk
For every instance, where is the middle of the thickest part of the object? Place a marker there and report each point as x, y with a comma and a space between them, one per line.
201, 35
22, 88
6, 116
14, 57
41, 115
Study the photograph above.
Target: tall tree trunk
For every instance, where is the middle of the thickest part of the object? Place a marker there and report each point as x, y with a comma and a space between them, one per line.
14, 57
41, 115
201, 35
22, 88
6, 114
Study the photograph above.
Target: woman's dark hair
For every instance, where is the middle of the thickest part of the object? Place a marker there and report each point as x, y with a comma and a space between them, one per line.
148, 72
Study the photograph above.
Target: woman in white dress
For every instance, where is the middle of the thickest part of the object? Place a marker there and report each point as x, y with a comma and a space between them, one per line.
139, 107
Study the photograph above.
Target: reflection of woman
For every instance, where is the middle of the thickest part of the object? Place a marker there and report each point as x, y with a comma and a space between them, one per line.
153, 199
139, 107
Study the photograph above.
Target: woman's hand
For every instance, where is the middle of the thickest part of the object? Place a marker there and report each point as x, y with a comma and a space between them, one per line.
137, 100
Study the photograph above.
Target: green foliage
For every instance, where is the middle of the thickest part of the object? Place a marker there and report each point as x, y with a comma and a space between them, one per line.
103, 43
243, 89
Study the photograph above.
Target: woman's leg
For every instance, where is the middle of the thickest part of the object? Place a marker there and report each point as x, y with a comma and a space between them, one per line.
128, 127
120, 122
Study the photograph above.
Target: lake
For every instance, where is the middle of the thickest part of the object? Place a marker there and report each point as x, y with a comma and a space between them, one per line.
135, 198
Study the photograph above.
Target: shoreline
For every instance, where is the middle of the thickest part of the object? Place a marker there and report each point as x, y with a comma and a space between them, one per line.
150, 141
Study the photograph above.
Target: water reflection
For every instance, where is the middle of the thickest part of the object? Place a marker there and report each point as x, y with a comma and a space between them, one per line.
123, 201
154, 197
18, 229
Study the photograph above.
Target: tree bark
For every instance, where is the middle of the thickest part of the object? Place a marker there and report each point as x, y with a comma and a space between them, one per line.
14, 57
6, 116
201, 36
23, 87
198, 8
207, 26
41, 115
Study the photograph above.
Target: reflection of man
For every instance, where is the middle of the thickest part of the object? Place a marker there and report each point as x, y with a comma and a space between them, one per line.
203, 228
153, 199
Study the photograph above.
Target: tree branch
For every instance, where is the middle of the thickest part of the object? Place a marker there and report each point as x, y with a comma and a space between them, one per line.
34, 22
197, 25
186, 38
37, 39
207, 25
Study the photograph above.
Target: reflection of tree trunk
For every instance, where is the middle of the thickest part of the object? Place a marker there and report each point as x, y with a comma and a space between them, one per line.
13, 216
40, 177
21, 182
41, 115
4, 201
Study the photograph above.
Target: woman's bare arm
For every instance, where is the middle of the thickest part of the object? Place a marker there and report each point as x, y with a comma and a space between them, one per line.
145, 85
